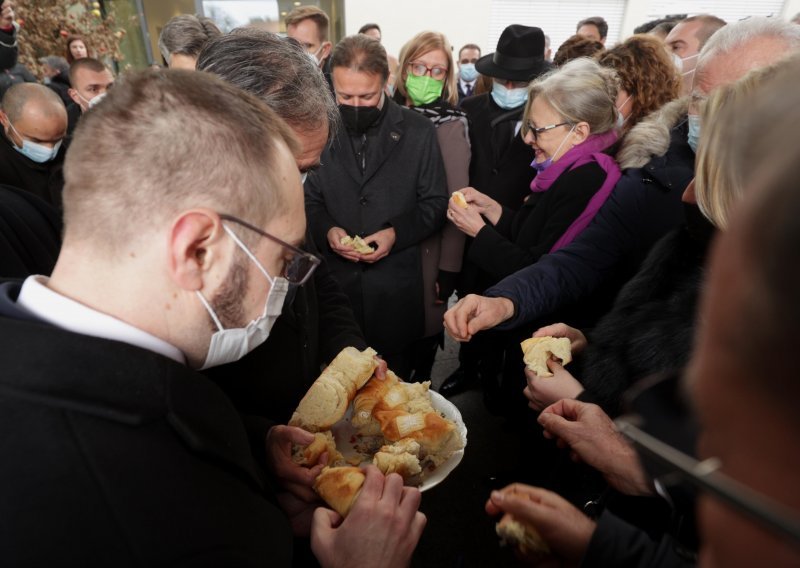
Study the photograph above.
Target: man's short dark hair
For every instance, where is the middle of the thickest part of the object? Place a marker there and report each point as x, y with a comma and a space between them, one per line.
186, 35
88, 63
710, 25
361, 53
371, 26
276, 70
653, 24
469, 46
596, 21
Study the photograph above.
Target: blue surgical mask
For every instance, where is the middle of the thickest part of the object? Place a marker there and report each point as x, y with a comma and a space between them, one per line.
39, 153
694, 131
468, 72
509, 98
621, 119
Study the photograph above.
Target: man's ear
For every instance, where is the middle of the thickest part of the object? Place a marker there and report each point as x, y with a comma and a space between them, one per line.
73, 94
195, 242
326, 50
4, 119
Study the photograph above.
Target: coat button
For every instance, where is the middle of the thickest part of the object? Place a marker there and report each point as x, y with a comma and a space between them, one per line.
363, 201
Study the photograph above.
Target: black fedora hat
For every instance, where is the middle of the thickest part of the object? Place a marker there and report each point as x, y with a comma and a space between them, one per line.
519, 55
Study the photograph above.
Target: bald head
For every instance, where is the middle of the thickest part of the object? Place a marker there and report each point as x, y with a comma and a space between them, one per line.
35, 113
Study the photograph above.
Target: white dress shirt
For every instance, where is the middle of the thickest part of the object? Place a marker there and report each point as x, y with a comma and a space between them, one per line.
60, 311
464, 85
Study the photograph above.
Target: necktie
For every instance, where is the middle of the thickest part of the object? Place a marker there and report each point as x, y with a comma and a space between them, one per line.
469, 90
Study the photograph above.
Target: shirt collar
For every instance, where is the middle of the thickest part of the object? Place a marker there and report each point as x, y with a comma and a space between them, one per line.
465, 84
65, 313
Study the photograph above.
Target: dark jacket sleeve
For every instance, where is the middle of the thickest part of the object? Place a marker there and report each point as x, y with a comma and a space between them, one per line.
427, 217
319, 220
634, 217
564, 202
617, 543
337, 323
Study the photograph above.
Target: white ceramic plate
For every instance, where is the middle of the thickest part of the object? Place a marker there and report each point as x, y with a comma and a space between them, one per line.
344, 433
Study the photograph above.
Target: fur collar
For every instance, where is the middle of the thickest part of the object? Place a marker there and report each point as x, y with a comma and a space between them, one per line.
651, 137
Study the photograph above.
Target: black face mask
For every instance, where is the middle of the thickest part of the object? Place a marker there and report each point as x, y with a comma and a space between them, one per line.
358, 119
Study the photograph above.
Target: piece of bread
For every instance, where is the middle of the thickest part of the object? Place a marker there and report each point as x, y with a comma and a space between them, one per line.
369, 396
402, 457
438, 437
537, 350
339, 487
524, 537
323, 442
357, 244
459, 199
327, 400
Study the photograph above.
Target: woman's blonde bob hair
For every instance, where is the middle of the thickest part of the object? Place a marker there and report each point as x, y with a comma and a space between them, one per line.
579, 91
419, 45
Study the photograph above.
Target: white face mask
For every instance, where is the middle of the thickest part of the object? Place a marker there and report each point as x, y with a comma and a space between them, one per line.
620, 118
313, 56
229, 345
678, 61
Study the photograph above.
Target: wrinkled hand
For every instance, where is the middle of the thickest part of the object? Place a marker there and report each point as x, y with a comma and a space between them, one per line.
544, 391
485, 205
292, 477
382, 529
335, 236
565, 529
385, 240
593, 439
474, 313
468, 220
577, 340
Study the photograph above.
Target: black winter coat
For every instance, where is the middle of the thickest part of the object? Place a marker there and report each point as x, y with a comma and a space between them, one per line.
521, 237
500, 165
117, 456
46, 181
651, 326
30, 234
403, 187
644, 206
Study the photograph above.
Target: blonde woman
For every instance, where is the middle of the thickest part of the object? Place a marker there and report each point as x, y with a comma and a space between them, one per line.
427, 84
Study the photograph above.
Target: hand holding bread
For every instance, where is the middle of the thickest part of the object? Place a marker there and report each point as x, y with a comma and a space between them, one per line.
538, 350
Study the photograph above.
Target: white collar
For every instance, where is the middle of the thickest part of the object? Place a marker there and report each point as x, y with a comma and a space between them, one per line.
466, 83
60, 311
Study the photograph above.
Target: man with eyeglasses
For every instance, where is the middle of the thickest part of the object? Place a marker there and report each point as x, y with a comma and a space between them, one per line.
122, 453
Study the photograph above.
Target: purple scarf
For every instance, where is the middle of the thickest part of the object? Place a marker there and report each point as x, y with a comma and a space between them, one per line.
590, 150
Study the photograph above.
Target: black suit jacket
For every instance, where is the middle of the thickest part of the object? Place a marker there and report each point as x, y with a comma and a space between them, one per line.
30, 234
117, 456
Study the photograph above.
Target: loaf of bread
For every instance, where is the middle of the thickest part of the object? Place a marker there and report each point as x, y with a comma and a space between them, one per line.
327, 400
437, 437
366, 399
524, 537
323, 442
537, 350
339, 487
459, 199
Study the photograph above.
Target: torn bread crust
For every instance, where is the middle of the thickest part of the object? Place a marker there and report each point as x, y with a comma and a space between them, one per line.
538, 350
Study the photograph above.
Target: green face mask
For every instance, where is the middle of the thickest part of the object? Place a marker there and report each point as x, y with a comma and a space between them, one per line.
423, 90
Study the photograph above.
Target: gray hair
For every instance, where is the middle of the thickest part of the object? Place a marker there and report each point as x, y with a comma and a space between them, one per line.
186, 34
56, 63
580, 91
276, 70
733, 36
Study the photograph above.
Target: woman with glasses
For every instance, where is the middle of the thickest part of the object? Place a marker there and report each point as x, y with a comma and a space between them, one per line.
427, 85
570, 123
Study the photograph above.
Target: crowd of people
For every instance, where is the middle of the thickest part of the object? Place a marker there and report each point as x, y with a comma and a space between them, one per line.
177, 267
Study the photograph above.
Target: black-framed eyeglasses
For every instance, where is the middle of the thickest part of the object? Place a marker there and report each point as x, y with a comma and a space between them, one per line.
299, 269
537, 131
675, 466
420, 70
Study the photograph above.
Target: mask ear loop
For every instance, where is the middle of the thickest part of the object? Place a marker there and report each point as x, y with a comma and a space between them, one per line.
249, 254
207, 306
